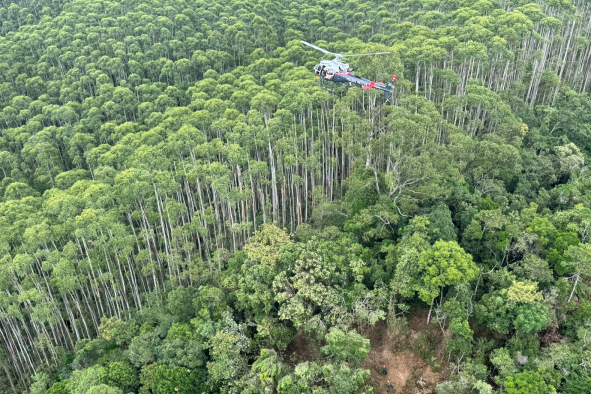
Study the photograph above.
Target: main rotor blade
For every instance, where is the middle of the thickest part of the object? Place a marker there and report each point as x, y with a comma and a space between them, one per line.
318, 48
367, 54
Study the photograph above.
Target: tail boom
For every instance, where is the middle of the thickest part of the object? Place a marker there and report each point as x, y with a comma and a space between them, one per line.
365, 83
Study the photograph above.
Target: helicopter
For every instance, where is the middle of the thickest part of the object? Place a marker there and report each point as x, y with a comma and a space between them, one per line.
338, 71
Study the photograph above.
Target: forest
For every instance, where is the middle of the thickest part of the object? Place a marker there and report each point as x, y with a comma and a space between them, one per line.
185, 209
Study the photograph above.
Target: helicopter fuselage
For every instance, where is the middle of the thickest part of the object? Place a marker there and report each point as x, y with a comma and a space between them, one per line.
327, 69
338, 71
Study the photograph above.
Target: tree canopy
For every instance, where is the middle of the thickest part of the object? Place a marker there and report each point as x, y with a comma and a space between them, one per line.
184, 208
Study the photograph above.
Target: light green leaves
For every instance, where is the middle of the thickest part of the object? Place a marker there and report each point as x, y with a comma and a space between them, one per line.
346, 346
265, 244
444, 264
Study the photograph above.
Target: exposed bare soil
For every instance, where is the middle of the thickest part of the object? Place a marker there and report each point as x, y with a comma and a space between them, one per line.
299, 349
397, 349
405, 367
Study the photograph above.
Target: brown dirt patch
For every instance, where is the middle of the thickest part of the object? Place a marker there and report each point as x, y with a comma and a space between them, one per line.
300, 349
401, 368
396, 349
405, 366
551, 336
419, 321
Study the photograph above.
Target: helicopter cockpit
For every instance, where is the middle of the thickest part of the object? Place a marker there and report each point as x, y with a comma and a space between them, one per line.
327, 69
318, 69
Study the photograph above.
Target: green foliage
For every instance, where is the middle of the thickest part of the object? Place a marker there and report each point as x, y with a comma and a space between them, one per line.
335, 379
181, 348
424, 346
406, 255
178, 305
82, 380
503, 362
264, 245
266, 372
577, 383
318, 272
104, 389
185, 209
346, 346
535, 269
160, 379
520, 306
120, 374
40, 385
227, 349
527, 382
60, 388
142, 349
117, 331
362, 192
444, 264
441, 226
579, 318
88, 352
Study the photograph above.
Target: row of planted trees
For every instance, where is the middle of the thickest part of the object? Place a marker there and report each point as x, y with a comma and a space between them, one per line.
541, 45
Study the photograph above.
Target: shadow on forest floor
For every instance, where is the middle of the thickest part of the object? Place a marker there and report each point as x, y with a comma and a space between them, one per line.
301, 349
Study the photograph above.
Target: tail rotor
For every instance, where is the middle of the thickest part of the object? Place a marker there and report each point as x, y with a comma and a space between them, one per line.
390, 86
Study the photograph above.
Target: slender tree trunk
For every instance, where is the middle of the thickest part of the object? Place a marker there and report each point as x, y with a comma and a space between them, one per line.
574, 287
430, 310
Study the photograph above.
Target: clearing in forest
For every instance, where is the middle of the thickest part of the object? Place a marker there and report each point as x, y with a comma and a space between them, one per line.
414, 354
